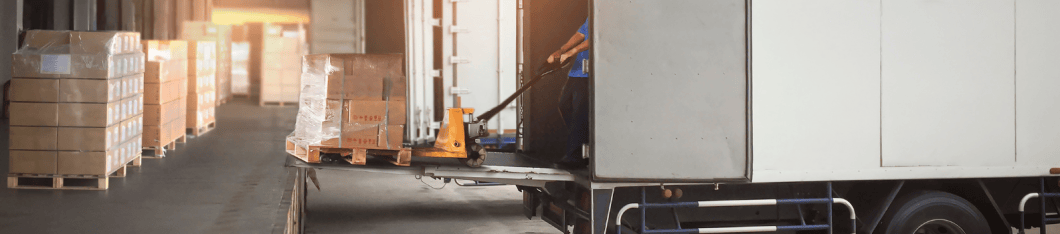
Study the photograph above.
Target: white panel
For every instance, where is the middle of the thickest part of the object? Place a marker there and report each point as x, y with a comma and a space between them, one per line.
506, 66
816, 85
947, 83
334, 21
487, 42
1037, 82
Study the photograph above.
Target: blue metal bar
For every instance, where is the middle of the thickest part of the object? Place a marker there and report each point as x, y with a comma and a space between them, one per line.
677, 220
644, 211
1041, 201
799, 201
830, 208
671, 231
1049, 195
803, 227
670, 205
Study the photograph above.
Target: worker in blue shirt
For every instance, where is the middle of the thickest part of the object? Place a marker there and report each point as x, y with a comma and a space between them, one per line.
575, 94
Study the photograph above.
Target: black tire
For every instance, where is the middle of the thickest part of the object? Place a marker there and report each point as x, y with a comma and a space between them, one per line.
934, 212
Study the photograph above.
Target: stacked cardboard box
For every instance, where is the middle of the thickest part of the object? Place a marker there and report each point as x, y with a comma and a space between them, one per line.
240, 68
222, 36
360, 99
224, 64
77, 102
165, 92
279, 65
202, 91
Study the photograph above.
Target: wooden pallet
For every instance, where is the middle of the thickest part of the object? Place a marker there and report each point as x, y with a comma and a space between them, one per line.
67, 182
223, 101
202, 129
160, 151
263, 103
355, 156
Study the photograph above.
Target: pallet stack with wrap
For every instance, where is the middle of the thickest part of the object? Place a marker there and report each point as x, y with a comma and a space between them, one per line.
165, 95
202, 92
276, 63
351, 101
222, 36
76, 111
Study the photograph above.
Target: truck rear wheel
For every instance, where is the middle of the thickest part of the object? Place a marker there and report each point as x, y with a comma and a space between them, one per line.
934, 212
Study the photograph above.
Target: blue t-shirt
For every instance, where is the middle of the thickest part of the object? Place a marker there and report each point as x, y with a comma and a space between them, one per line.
576, 69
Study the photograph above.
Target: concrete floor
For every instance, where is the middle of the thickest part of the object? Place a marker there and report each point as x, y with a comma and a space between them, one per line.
231, 180
227, 181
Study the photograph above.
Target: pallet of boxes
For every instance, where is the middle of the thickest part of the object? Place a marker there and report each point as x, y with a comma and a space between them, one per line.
276, 58
202, 93
165, 96
352, 106
222, 36
76, 111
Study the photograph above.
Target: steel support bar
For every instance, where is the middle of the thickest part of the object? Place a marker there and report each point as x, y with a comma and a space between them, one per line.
1041, 202
731, 203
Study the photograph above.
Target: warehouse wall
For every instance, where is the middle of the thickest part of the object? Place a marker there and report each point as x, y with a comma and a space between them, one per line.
550, 24
10, 11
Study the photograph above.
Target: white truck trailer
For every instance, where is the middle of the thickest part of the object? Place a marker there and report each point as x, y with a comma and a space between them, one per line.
727, 116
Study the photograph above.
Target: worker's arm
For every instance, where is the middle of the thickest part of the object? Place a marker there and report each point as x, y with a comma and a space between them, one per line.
574, 51
572, 43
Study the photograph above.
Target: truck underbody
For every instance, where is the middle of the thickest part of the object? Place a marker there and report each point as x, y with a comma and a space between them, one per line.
573, 202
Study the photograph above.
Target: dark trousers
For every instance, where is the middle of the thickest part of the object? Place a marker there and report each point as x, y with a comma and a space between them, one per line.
575, 107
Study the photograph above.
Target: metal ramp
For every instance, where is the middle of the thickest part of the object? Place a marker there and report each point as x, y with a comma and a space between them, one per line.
507, 168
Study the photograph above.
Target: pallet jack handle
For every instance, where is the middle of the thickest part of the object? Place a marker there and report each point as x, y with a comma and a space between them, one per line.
542, 71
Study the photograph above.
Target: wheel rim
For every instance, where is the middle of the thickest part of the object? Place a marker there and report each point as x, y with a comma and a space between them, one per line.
939, 226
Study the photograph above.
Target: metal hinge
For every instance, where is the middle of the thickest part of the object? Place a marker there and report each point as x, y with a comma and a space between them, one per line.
436, 22
458, 91
456, 60
457, 29
436, 73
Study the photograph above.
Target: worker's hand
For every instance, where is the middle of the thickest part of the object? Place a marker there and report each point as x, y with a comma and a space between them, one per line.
563, 58
555, 56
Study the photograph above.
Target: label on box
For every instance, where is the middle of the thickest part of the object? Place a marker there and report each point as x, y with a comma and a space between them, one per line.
55, 64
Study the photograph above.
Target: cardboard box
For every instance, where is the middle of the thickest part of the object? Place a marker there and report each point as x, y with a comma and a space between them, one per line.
163, 93
133, 106
34, 114
164, 71
378, 137
161, 135
90, 114
32, 162
85, 66
104, 42
134, 126
165, 50
87, 163
91, 90
80, 42
202, 50
202, 83
362, 76
133, 85
200, 30
89, 138
33, 138
34, 90
374, 112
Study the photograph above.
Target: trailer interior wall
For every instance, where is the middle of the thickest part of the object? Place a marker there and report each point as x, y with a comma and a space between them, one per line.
905, 89
336, 26
670, 90
546, 26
